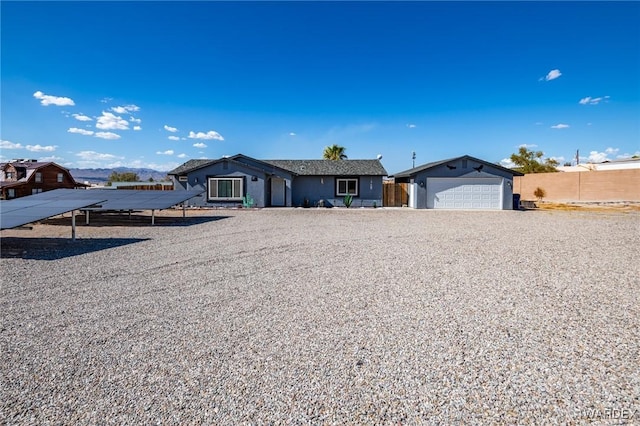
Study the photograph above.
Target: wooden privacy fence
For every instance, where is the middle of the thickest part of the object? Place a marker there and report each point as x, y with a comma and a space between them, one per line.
395, 194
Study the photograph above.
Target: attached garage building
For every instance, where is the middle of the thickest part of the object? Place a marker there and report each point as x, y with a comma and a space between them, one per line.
459, 183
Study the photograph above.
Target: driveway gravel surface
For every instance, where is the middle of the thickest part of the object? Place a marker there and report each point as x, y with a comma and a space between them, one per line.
323, 316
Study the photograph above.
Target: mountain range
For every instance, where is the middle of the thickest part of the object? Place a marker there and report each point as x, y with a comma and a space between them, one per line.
102, 175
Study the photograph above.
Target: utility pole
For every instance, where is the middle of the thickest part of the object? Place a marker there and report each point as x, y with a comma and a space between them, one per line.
577, 157
413, 157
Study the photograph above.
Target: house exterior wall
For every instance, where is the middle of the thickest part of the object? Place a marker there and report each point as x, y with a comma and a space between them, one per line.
256, 184
49, 180
609, 185
442, 171
316, 188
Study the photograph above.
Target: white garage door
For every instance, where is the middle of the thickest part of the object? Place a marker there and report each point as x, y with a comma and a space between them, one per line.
464, 193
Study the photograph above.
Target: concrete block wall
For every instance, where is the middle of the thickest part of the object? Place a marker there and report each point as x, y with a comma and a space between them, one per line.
610, 185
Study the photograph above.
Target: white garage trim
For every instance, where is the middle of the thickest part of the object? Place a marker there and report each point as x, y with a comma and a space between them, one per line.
465, 193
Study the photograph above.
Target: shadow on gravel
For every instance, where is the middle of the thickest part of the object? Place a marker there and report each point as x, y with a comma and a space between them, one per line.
57, 248
135, 220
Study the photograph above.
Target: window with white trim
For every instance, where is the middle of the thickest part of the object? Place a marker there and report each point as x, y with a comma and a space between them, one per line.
38, 177
225, 189
183, 179
60, 177
347, 186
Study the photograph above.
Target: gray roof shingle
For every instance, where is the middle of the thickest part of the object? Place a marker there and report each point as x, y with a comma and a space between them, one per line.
410, 172
331, 167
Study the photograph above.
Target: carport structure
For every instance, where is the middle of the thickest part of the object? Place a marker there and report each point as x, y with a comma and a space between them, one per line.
130, 200
22, 211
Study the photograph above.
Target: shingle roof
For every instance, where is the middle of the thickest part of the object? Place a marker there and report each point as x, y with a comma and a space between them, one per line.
189, 166
302, 167
427, 166
331, 167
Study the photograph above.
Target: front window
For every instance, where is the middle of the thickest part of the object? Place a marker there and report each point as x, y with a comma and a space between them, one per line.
11, 193
225, 189
9, 175
38, 177
347, 187
60, 177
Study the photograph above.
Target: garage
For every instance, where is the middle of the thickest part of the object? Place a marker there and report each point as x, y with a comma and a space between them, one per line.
465, 193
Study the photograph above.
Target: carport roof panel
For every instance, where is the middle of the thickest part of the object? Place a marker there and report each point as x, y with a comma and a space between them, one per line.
18, 212
125, 199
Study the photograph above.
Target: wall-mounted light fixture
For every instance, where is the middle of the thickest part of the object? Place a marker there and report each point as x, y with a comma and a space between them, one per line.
254, 178
421, 184
196, 180
321, 181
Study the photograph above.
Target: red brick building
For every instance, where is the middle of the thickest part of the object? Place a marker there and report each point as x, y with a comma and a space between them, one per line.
19, 178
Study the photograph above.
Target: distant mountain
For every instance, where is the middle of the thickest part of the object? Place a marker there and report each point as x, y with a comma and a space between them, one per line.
102, 175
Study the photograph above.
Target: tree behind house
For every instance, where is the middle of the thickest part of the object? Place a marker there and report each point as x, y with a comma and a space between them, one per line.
532, 162
334, 152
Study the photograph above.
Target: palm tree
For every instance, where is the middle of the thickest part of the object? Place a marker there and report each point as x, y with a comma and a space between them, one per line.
334, 152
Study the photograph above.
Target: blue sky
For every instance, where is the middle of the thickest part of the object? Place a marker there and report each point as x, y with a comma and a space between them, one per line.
154, 84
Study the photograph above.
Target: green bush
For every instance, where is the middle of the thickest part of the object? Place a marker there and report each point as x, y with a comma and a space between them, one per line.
348, 199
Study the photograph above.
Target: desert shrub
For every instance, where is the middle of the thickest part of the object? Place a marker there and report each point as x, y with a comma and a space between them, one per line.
539, 193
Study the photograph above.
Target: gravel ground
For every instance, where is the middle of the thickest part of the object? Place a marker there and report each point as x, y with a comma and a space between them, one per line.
335, 316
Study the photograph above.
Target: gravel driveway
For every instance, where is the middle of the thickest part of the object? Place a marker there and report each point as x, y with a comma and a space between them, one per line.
334, 316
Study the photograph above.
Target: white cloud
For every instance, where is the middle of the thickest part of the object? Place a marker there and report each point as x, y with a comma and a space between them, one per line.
173, 138
552, 75
80, 131
96, 156
593, 101
528, 145
50, 158
200, 145
106, 100
170, 129
10, 145
107, 135
560, 126
125, 109
167, 152
183, 155
137, 128
109, 121
599, 157
53, 100
40, 148
211, 134
411, 126
135, 120
506, 162
292, 134
82, 117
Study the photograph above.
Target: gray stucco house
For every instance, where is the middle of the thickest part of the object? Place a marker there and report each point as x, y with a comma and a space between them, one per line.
281, 183
459, 183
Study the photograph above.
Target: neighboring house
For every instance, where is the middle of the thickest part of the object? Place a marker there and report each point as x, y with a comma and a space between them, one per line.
459, 183
19, 178
620, 164
280, 183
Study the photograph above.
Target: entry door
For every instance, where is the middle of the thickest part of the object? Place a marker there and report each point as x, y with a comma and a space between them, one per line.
277, 192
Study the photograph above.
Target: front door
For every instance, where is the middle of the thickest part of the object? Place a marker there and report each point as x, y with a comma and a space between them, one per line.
277, 192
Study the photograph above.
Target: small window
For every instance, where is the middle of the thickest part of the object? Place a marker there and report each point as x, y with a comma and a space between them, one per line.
9, 175
183, 178
11, 193
347, 187
38, 177
36, 191
225, 189
60, 177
